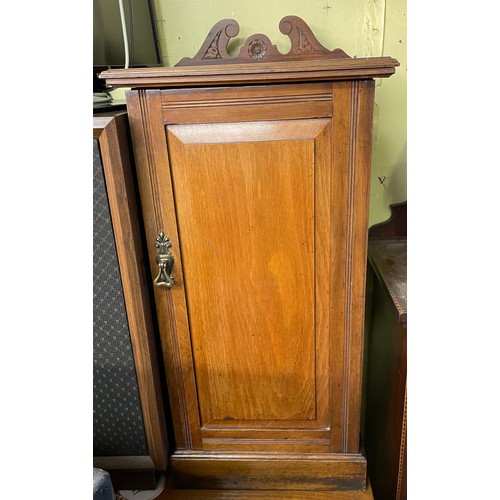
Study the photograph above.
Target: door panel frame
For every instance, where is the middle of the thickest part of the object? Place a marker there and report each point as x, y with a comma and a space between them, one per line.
351, 133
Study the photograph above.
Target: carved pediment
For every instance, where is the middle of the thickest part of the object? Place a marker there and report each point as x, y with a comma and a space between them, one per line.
258, 47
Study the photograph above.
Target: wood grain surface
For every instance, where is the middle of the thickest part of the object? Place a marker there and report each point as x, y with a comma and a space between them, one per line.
263, 471
247, 268
265, 268
153, 172
263, 192
172, 493
271, 72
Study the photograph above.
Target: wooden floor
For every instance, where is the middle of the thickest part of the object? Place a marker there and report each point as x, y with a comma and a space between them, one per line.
170, 493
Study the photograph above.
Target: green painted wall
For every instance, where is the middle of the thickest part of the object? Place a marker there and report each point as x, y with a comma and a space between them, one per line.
362, 28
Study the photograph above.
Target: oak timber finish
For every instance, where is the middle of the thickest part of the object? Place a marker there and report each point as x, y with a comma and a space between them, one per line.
266, 363
112, 134
263, 192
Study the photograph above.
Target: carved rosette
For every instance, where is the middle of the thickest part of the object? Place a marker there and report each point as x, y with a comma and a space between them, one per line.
257, 49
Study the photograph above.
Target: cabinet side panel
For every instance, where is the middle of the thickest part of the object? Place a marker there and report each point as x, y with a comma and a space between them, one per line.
352, 137
361, 146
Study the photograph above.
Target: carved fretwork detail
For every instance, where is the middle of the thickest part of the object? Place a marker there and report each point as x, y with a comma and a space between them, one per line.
305, 46
213, 49
256, 48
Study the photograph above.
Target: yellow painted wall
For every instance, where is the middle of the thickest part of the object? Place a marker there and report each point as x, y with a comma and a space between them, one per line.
362, 28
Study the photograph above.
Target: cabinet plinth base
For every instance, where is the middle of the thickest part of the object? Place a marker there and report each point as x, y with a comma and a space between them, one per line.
334, 472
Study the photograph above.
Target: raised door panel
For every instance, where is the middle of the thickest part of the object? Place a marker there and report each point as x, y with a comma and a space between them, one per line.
248, 209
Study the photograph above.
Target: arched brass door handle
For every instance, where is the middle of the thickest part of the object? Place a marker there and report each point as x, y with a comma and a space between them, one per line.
165, 261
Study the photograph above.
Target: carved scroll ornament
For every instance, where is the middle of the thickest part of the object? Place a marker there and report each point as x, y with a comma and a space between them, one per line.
304, 45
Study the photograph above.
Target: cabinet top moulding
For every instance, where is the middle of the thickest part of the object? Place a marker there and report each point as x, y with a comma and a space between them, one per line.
258, 61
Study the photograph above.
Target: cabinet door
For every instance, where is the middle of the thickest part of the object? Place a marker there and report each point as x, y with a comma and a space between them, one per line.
256, 189
246, 209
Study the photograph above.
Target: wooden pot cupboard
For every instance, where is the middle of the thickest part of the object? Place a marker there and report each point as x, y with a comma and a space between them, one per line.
254, 182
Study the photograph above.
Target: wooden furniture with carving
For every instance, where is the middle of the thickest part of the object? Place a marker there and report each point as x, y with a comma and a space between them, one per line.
385, 424
254, 175
110, 132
